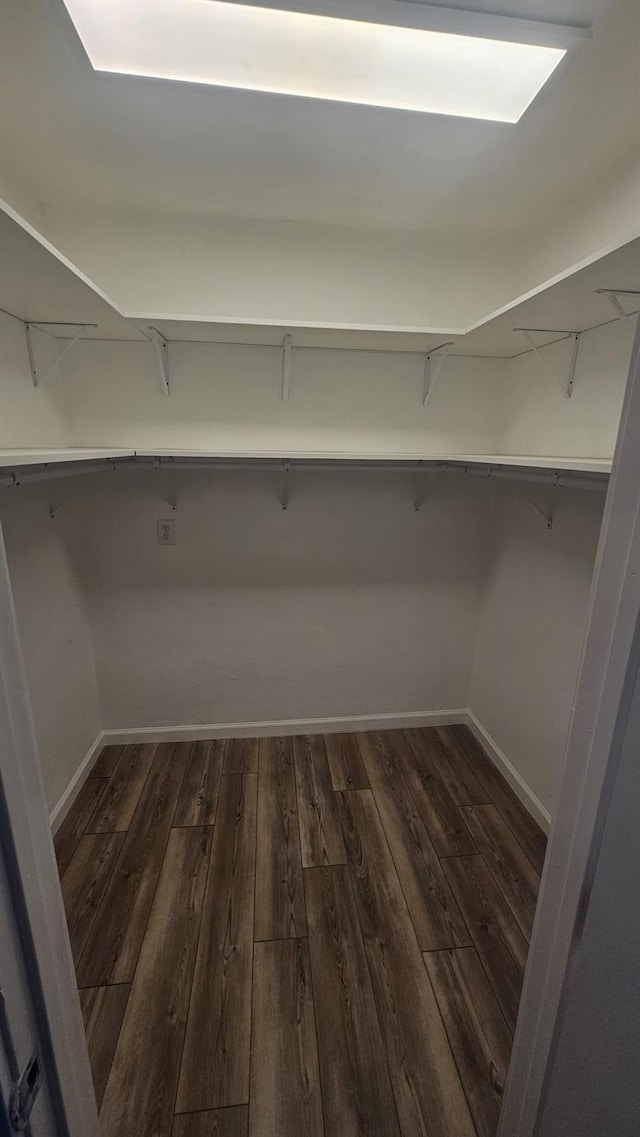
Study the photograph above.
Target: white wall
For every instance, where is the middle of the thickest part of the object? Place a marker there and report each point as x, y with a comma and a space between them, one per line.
538, 419
530, 628
55, 634
349, 603
283, 272
227, 398
28, 417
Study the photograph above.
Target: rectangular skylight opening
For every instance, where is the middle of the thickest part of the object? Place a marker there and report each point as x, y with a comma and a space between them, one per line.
287, 52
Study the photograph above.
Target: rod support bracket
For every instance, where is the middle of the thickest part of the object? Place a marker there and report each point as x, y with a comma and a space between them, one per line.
285, 494
161, 348
170, 493
546, 514
287, 344
421, 489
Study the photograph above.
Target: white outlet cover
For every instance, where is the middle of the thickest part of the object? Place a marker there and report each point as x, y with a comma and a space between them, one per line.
166, 531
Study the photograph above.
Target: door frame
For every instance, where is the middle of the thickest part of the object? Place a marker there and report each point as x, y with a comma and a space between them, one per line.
598, 724
27, 848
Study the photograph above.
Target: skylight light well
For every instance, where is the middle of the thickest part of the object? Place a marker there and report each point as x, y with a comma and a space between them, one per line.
315, 56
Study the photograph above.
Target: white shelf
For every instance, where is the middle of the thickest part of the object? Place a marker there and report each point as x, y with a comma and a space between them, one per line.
19, 458
530, 461
72, 454
536, 461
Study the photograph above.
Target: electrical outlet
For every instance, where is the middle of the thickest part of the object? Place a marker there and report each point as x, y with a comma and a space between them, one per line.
166, 532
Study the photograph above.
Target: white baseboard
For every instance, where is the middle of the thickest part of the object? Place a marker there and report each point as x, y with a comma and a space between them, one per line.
63, 805
529, 800
194, 732
271, 727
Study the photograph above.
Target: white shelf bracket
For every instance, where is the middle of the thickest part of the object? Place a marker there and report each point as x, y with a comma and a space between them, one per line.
39, 377
285, 495
565, 382
287, 344
161, 348
613, 296
433, 362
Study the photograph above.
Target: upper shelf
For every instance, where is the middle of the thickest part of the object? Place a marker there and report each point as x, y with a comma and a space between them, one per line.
31, 457
536, 461
49, 457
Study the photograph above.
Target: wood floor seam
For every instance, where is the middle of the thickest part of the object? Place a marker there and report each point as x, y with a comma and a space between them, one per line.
204, 1112
197, 945
282, 939
458, 1065
315, 1016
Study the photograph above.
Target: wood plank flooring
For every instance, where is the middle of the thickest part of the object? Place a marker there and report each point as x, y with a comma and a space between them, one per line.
300, 937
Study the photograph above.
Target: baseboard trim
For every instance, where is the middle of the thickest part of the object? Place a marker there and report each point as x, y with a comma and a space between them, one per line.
63, 805
529, 800
194, 732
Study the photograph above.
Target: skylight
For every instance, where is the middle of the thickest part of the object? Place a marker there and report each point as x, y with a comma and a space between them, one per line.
316, 56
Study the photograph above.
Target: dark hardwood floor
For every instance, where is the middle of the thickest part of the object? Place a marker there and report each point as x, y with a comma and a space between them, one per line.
300, 937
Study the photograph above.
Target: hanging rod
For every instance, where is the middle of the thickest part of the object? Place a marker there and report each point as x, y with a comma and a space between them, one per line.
561, 479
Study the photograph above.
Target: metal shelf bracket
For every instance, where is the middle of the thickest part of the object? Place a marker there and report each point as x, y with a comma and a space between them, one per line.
421, 487
287, 344
433, 362
613, 296
162, 356
56, 506
170, 493
547, 514
39, 377
565, 382
285, 495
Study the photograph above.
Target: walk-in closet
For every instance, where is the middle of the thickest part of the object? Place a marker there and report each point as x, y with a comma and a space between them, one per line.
308, 413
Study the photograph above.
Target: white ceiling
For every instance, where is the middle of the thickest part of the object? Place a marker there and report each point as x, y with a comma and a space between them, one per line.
36, 286
120, 143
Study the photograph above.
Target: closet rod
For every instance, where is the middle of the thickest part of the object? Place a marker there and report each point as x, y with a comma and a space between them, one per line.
552, 477
560, 478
